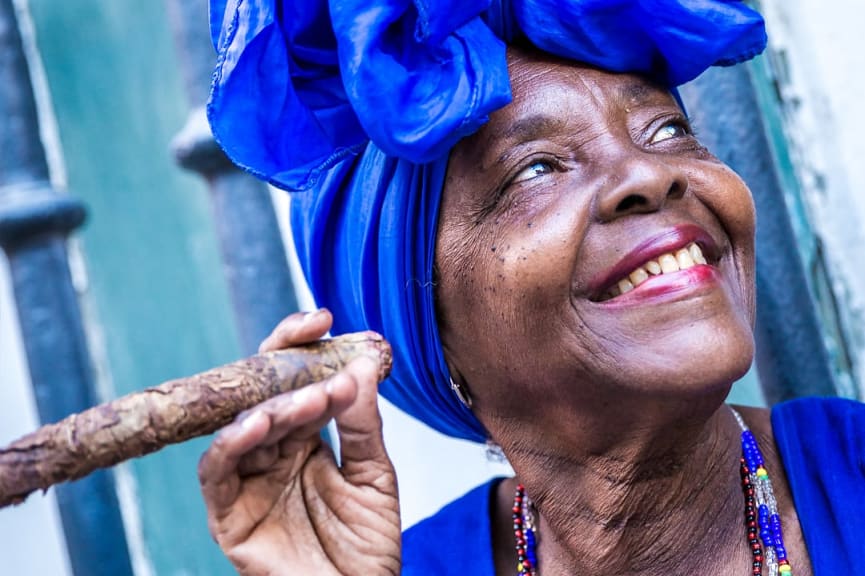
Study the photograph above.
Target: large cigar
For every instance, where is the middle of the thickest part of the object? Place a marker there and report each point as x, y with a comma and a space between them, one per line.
173, 412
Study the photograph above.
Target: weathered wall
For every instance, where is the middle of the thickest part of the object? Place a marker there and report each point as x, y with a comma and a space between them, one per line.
818, 55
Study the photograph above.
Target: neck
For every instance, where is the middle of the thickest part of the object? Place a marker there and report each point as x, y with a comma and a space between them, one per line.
662, 499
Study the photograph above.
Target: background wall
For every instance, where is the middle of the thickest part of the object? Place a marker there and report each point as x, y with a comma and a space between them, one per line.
151, 282
818, 61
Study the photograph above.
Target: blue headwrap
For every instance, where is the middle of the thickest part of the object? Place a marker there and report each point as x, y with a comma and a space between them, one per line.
354, 106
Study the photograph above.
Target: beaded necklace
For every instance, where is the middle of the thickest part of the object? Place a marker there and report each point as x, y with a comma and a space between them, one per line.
762, 521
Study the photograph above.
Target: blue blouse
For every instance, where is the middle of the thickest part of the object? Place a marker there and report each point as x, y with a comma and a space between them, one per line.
821, 442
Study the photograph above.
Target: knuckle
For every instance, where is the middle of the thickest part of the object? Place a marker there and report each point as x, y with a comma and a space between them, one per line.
203, 466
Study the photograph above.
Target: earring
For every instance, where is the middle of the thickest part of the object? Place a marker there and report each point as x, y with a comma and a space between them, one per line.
461, 393
495, 452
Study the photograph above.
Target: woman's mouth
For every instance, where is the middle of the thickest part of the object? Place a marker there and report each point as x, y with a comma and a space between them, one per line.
667, 263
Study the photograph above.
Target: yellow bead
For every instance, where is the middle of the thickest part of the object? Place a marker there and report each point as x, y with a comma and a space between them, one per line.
761, 472
519, 567
785, 569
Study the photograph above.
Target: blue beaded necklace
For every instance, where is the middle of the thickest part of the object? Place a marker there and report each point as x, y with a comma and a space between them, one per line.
762, 521
757, 488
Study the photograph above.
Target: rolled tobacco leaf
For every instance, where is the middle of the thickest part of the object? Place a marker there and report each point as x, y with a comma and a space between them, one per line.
175, 411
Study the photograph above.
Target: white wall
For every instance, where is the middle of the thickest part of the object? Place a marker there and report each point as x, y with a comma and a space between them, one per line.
824, 47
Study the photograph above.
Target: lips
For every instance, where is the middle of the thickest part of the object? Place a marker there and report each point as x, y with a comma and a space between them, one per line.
680, 248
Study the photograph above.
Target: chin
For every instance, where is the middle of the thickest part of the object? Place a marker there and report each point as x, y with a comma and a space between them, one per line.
692, 339
705, 361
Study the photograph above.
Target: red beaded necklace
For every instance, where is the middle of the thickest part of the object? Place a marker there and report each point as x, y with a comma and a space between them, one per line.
762, 521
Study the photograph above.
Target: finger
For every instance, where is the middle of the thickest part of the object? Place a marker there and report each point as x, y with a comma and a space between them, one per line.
294, 420
319, 403
258, 460
298, 328
359, 426
217, 468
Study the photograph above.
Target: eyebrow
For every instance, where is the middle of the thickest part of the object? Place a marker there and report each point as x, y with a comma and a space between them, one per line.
639, 92
523, 130
530, 127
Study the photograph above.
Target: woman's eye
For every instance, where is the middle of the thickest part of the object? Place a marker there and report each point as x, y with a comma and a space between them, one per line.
670, 130
532, 171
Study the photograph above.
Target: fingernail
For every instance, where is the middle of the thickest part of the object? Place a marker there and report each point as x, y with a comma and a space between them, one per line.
251, 419
311, 316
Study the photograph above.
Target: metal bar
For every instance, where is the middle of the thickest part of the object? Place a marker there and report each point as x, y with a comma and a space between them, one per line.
791, 356
253, 254
34, 223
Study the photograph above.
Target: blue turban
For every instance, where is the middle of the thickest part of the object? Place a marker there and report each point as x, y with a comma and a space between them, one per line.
354, 105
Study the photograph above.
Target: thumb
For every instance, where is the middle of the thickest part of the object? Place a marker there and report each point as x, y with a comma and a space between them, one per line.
361, 443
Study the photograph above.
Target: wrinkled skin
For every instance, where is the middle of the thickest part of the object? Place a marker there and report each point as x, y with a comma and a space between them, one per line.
277, 503
515, 260
610, 409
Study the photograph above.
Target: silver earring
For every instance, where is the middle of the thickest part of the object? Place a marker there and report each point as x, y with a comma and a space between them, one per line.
461, 393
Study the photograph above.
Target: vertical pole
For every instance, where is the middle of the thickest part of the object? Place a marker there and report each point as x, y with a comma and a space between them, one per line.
252, 250
791, 356
34, 223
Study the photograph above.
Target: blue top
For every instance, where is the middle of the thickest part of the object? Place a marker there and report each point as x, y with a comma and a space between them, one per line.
822, 446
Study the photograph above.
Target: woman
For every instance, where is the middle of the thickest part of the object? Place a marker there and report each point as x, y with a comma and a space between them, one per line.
578, 288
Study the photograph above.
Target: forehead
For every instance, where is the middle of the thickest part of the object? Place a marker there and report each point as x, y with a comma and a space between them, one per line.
551, 94
557, 98
536, 76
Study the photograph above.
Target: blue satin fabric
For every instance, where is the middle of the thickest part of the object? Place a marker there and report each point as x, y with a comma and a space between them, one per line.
355, 105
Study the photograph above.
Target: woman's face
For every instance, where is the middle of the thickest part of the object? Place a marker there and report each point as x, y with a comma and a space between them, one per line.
591, 251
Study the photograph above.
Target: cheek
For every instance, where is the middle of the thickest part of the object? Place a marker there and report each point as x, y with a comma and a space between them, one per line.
510, 278
529, 263
730, 198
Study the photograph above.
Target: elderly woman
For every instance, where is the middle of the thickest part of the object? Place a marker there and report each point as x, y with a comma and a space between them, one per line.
561, 268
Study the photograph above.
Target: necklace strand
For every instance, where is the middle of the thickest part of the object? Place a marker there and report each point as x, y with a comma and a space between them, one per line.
762, 521
756, 483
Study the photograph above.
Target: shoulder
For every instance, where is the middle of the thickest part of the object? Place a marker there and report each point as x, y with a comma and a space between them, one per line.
821, 442
455, 540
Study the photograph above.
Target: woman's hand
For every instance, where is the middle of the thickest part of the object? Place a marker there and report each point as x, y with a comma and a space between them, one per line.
277, 503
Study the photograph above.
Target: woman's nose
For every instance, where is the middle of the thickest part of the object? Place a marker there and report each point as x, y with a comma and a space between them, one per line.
640, 183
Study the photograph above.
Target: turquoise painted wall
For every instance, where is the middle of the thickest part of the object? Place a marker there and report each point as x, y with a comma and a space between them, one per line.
155, 279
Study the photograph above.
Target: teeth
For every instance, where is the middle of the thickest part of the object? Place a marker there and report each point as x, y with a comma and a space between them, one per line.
625, 286
653, 267
682, 259
638, 276
668, 263
697, 254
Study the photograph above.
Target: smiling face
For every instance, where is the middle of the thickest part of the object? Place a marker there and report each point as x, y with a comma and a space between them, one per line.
591, 253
